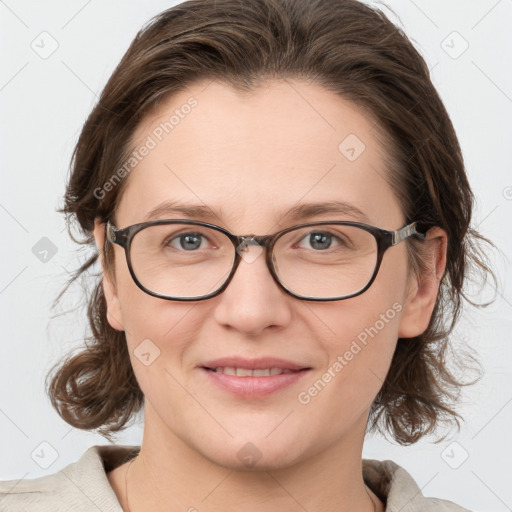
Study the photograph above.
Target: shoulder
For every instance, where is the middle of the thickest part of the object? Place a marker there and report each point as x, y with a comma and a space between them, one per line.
80, 486
399, 491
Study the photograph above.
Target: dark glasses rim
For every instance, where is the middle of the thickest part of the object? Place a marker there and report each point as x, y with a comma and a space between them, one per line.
384, 238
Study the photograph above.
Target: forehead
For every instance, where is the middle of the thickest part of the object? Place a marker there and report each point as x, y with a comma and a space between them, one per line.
254, 155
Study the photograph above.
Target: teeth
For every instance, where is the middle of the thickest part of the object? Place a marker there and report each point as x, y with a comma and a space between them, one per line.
246, 372
262, 373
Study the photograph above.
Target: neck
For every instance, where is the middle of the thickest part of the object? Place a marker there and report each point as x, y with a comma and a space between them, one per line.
169, 475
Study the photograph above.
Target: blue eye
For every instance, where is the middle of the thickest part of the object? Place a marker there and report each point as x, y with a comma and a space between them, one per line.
321, 240
185, 241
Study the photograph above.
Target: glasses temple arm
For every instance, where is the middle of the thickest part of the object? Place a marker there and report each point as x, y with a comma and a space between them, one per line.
405, 232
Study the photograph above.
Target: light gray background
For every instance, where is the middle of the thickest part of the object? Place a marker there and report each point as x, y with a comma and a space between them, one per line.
44, 102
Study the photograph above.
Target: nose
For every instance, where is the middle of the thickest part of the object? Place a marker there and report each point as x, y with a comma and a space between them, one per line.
253, 301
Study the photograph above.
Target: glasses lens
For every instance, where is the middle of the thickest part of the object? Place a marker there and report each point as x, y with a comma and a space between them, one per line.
181, 260
325, 261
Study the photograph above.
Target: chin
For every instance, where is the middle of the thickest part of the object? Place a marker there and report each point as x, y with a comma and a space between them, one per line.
242, 454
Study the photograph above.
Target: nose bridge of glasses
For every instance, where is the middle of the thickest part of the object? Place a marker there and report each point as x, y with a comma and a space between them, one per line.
261, 243
246, 240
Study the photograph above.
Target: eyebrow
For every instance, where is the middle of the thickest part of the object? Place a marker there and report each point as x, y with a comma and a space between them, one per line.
296, 213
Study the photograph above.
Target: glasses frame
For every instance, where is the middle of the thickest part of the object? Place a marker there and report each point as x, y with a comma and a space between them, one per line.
384, 238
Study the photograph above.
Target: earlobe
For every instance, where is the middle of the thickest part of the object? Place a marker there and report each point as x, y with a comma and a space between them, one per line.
114, 312
422, 291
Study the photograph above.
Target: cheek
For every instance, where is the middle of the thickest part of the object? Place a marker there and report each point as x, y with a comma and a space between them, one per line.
157, 331
361, 340
167, 325
339, 395
143, 315
363, 336
376, 315
158, 334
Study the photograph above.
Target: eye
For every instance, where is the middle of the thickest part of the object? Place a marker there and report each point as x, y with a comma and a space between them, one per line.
321, 240
189, 241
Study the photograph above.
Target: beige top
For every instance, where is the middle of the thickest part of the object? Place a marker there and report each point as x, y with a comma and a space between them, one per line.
83, 486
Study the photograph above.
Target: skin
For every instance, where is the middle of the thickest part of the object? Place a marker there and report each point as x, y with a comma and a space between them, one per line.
252, 157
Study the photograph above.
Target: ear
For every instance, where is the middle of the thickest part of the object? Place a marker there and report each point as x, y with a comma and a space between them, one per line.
421, 293
114, 312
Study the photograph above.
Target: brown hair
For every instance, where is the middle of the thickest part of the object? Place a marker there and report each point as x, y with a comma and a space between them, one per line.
349, 48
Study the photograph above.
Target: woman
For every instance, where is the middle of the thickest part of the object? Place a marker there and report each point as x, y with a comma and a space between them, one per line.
281, 211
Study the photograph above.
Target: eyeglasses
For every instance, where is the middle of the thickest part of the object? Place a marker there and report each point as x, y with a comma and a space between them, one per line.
187, 260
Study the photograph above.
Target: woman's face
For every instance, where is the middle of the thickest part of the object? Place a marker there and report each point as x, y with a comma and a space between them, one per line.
250, 159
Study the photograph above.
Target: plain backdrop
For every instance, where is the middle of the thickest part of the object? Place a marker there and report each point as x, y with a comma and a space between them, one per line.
57, 56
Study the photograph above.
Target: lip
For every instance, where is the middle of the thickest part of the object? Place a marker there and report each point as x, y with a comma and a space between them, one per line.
250, 386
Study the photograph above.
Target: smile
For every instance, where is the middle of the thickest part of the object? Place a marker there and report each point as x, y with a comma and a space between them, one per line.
247, 372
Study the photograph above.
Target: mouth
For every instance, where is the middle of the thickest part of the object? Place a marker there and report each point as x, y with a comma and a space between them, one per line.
260, 367
248, 372
253, 378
